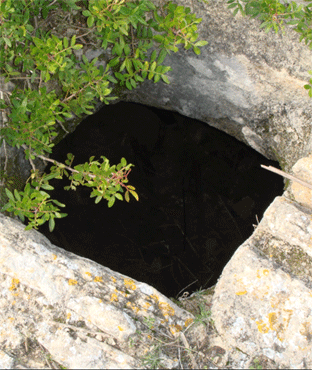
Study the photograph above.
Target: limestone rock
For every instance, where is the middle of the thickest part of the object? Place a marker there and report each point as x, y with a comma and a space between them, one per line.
303, 171
245, 82
56, 306
262, 300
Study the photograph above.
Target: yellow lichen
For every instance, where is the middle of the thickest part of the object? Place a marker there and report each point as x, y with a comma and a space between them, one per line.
241, 292
175, 328
88, 273
114, 279
133, 307
14, 284
98, 279
114, 298
130, 284
188, 322
166, 309
72, 282
120, 328
264, 272
277, 321
147, 305
154, 297
272, 320
262, 327
54, 256
68, 315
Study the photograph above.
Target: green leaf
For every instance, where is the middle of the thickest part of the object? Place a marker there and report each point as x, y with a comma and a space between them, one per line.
90, 21
77, 46
162, 55
73, 41
51, 224
5, 207
7, 41
98, 199
134, 194
165, 79
58, 203
133, 83
156, 78
153, 66
128, 84
111, 201
9, 194
232, 6
47, 187
123, 162
129, 66
17, 195
65, 42
118, 196
201, 43
45, 12
153, 56
196, 50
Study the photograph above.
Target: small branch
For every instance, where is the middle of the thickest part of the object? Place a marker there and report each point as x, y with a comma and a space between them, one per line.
60, 123
192, 358
284, 174
115, 176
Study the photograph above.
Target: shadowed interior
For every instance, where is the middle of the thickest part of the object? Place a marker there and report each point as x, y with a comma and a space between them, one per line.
200, 192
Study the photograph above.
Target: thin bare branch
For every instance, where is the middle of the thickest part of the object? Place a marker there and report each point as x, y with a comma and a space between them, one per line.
284, 174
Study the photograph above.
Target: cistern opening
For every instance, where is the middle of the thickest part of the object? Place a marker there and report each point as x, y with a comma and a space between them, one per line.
200, 193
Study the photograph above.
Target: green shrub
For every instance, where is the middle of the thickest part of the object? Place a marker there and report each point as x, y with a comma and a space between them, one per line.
137, 34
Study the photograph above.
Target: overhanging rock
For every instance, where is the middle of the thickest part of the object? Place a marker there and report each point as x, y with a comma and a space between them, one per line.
245, 82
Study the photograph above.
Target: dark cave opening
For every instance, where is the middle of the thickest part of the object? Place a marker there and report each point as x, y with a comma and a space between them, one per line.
200, 192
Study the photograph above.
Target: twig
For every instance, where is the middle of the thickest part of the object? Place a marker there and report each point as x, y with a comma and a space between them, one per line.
185, 342
179, 351
186, 287
284, 174
44, 355
61, 124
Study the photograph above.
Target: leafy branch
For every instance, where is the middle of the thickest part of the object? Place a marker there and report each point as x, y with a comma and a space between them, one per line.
137, 37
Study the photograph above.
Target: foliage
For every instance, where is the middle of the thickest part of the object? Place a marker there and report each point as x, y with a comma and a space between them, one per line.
135, 33
276, 14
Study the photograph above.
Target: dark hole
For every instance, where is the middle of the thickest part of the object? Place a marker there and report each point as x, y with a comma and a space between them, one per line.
200, 192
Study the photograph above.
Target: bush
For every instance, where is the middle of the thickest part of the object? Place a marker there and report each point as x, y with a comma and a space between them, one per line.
137, 34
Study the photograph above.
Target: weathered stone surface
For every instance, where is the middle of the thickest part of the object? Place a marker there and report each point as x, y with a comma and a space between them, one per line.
83, 314
245, 82
262, 301
303, 171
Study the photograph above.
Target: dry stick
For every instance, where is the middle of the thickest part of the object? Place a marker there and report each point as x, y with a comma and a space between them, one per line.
284, 174
192, 358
